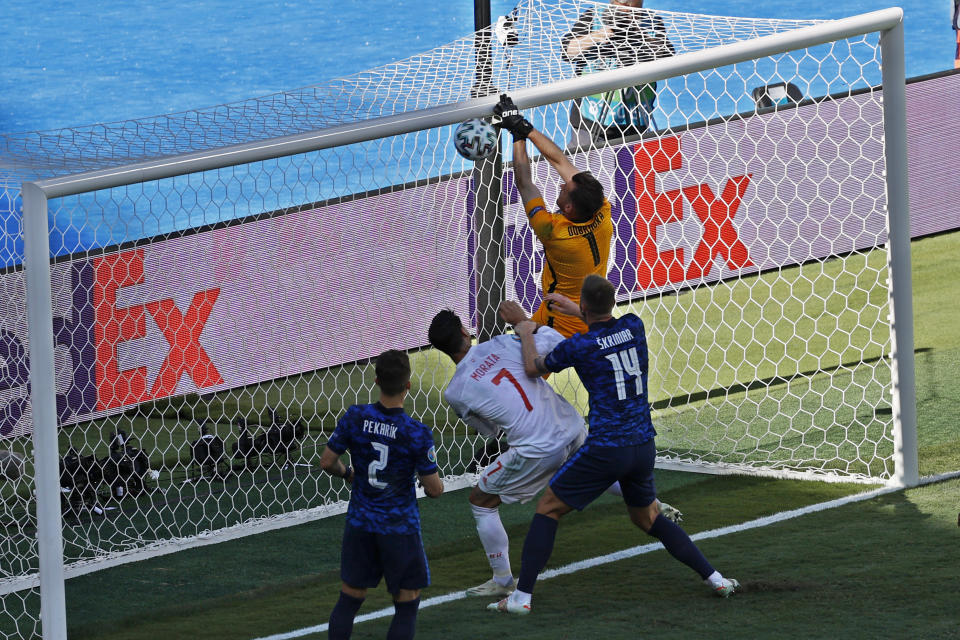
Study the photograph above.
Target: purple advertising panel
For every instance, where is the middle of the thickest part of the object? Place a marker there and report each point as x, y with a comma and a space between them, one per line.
337, 283
245, 303
759, 193
933, 154
730, 198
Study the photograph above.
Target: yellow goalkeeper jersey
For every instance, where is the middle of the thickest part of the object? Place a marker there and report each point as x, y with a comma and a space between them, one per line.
573, 251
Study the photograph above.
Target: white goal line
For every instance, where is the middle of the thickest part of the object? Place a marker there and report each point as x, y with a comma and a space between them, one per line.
616, 556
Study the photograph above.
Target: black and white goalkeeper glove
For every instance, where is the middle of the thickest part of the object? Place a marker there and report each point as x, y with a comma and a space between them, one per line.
511, 119
671, 513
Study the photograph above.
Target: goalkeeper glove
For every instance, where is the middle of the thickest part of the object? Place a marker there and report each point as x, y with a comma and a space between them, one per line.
671, 513
511, 119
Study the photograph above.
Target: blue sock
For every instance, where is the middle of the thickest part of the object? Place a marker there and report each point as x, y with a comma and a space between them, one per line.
341, 618
680, 546
536, 550
404, 622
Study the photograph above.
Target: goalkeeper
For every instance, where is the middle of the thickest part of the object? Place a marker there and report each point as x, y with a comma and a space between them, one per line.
576, 238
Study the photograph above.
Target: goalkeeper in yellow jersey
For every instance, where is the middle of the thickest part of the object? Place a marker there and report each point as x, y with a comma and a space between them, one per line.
575, 239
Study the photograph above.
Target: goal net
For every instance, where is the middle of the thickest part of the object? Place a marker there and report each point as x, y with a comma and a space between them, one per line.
211, 324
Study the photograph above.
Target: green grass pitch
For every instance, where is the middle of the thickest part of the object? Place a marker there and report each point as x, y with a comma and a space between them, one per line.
829, 571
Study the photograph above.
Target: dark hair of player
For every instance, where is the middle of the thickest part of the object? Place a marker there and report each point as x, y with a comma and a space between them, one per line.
393, 371
587, 198
597, 295
445, 332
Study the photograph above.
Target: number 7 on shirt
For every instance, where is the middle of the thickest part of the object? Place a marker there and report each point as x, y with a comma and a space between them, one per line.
503, 373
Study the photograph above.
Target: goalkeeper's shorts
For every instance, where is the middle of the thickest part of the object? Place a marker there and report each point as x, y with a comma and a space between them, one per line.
564, 324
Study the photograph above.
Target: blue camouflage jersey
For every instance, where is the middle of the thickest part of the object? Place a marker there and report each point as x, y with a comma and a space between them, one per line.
612, 362
387, 448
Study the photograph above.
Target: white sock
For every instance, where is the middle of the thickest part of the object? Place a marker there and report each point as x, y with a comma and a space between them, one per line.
714, 579
495, 543
521, 598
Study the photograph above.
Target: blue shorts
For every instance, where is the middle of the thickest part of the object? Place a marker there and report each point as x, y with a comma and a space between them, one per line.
400, 559
591, 470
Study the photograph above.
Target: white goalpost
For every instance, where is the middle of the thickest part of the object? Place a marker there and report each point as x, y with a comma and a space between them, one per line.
200, 294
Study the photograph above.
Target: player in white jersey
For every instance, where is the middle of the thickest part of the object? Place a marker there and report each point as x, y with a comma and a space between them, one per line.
491, 392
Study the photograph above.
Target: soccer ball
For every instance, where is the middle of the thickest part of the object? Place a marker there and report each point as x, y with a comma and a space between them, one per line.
475, 139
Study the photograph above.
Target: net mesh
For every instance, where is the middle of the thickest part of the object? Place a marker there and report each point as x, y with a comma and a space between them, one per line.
211, 328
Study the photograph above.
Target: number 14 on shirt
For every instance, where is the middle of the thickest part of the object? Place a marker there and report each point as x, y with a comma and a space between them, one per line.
626, 363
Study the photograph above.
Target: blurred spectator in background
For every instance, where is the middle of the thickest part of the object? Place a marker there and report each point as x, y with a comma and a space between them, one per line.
611, 37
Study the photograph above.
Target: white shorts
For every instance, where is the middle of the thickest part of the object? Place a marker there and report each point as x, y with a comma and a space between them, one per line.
516, 478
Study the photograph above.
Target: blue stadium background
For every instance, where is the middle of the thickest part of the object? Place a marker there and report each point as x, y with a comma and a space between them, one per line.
77, 62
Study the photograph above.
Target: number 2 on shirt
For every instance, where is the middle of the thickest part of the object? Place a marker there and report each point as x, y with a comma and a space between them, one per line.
383, 452
503, 373
626, 361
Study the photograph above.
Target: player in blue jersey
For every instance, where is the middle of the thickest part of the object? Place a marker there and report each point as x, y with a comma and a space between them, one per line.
381, 537
611, 360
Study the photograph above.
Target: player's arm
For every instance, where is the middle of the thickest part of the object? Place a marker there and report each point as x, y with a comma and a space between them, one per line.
461, 407
522, 175
512, 313
562, 304
432, 484
331, 463
513, 121
481, 426
533, 364
554, 155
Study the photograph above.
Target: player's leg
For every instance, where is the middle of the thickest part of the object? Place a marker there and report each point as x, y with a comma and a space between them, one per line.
359, 569
669, 512
406, 572
406, 604
537, 547
511, 478
340, 624
581, 479
640, 496
493, 537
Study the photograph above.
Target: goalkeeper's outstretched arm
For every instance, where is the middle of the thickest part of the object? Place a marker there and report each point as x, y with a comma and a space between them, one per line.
513, 121
554, 155
521, 173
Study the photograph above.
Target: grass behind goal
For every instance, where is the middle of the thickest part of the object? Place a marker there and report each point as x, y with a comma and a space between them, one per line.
746, 409
286, 579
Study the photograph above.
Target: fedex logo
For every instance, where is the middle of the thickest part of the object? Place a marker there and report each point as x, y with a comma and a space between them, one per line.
115, 325
76, 393
89, 328
640, 211
655, 268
